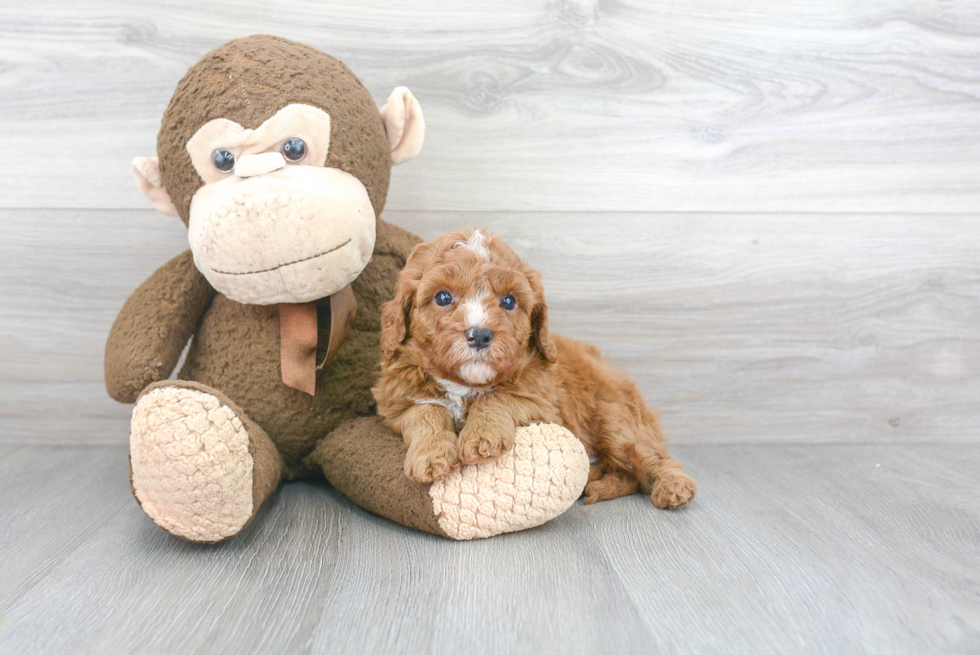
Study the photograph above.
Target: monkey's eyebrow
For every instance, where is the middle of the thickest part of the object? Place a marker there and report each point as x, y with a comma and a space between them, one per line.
214, 132
300, 120
304, 121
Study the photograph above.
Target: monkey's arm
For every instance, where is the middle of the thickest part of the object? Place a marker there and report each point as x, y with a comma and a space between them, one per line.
153, 327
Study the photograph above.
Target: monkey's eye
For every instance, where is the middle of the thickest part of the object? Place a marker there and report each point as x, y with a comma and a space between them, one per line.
444, 298
293, 149
223, 160
508, 302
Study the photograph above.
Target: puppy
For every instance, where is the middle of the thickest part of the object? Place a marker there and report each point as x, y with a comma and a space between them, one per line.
466, 349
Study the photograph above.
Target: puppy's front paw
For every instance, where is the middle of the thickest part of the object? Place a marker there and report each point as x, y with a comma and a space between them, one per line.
432, 460
479, 442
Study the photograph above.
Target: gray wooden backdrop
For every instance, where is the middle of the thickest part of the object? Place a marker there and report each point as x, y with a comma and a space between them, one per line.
766, 211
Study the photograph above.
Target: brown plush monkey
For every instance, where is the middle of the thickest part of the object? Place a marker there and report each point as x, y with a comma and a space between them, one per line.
277, 159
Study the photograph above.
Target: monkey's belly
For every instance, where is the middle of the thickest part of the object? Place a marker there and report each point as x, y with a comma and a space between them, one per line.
236, 350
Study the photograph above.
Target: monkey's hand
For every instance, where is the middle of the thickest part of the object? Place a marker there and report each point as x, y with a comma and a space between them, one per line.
153, 327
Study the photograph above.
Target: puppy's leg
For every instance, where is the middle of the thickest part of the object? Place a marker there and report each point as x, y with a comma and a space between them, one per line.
606, 485
486, 436
637, 446
660, 475
491, 424
430, 439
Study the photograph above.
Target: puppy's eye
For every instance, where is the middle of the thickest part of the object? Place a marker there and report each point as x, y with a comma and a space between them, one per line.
293, 150
223, 160
444, 298
508, 302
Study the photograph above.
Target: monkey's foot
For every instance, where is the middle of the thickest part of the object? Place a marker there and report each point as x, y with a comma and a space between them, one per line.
193, 462
536, 481
533, 483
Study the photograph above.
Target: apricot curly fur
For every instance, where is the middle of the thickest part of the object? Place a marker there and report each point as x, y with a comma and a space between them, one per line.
444, 396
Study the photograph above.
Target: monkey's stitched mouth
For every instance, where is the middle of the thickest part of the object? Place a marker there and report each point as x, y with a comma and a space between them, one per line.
298, 261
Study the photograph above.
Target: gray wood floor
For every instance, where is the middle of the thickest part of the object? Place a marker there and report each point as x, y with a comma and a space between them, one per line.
787, 549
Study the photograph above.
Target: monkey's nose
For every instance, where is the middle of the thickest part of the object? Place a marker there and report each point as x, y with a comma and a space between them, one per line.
260, 164
478, 338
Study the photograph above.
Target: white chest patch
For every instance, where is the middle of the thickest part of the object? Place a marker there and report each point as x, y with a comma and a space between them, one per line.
457, 395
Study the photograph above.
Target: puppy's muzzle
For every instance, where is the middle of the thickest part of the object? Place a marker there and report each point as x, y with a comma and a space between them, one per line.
478, 338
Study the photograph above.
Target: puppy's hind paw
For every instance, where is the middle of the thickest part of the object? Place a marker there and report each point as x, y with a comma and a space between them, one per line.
673, 489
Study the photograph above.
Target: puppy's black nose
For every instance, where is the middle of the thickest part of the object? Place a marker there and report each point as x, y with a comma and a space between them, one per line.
478, 338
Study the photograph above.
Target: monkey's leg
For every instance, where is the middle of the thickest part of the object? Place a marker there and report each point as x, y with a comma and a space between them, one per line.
533, 483
199, 467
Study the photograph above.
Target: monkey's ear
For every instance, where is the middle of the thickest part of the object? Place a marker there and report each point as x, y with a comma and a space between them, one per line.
150, 182
402, 116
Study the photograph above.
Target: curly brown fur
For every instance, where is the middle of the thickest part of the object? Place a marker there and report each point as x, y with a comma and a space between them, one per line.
247, 80
436, 380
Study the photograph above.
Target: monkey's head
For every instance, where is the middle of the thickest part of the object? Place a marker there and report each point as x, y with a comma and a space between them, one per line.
278, 161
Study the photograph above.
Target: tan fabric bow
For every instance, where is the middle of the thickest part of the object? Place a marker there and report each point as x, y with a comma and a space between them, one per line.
298, 335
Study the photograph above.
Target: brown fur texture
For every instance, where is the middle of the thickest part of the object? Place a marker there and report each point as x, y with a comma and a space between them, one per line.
355, 444
234, 359
248, 80
235, 348
434, 380
153, 327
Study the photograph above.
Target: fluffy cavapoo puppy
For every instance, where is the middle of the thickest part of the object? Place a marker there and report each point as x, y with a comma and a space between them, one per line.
466, 349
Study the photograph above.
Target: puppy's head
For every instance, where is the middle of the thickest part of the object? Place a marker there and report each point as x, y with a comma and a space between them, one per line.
471, 310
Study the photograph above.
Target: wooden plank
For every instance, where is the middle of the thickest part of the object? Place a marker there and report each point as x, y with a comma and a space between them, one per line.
831, 549
53, 501
804, 549
66, 275
316, 574
632, 106
758, 328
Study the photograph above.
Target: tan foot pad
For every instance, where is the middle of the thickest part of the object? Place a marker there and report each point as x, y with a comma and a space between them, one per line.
535, 482
192, 471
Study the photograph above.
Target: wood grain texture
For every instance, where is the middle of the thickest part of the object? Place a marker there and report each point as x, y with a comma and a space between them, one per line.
803, 549
742, 328
542, 105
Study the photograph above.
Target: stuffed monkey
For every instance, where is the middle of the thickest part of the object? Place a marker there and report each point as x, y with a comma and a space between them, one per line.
276, 158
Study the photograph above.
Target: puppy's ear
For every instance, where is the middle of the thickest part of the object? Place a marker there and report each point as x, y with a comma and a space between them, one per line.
395, 314
540, 336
